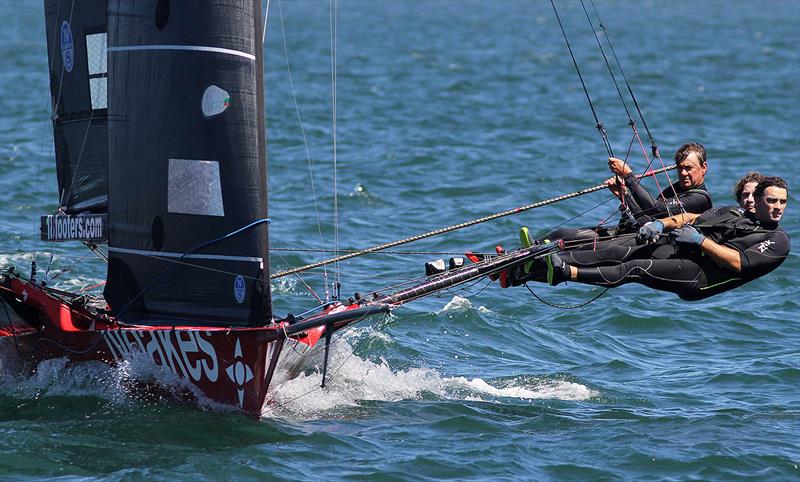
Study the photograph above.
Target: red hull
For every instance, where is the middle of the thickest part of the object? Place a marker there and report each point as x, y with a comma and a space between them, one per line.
233, 366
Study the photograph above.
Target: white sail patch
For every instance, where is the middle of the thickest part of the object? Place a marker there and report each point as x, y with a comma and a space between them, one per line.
215, 101
194, 187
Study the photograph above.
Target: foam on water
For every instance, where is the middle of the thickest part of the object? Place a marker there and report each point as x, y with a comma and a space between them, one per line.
135, 380
459, 303
352, 379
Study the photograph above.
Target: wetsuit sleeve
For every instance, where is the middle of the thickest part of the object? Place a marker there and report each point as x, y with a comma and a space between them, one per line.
694, 201
765, 256
642, 198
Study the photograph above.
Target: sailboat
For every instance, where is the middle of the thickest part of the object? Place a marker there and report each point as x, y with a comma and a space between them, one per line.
159, 133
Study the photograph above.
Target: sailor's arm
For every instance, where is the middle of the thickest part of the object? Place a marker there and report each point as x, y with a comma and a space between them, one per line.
723, 256
677, 221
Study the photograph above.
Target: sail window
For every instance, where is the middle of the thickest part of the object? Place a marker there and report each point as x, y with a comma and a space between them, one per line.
194, 187
98, 69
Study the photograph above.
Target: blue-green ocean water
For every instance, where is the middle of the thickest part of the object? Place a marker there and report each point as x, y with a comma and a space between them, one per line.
447, 111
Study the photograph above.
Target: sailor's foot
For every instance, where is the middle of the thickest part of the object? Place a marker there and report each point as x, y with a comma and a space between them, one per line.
519, 274
557, 269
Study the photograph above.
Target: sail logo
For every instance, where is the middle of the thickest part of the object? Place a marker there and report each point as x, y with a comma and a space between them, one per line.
239, 289
62, 227
215, 101
188, 355
67, 47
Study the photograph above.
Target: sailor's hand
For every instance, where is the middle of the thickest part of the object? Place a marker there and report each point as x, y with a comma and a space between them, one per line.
650, 232
618, 166
615, 186
688, 235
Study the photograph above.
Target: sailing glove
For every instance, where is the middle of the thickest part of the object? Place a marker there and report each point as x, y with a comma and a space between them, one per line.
650, 232
689, 235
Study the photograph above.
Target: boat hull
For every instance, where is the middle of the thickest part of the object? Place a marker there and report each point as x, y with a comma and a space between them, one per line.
232, 366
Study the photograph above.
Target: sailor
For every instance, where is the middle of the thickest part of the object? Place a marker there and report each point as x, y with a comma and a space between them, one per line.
688, 194
743, 190
693, 256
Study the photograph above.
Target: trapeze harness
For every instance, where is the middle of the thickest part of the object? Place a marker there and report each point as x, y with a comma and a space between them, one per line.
683, 269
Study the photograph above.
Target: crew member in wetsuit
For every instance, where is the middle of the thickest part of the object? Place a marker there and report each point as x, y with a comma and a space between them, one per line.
703, 255
743, 190
688, 195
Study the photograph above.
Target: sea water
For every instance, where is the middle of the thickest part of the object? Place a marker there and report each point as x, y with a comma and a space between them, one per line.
448, 111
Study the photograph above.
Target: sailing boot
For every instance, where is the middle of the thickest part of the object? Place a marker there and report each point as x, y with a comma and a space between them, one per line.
557, 269
519, 274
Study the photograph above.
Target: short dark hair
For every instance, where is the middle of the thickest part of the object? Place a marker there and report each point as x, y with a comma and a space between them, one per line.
769, 181
751, 176
688, 148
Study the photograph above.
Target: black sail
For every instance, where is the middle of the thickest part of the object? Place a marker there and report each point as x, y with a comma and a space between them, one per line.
187, 163
76, 50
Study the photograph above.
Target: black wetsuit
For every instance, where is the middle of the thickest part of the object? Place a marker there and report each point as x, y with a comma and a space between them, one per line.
643, 208
672, 200
684, 269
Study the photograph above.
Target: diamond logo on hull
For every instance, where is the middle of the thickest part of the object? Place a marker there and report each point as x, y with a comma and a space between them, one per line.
239, 373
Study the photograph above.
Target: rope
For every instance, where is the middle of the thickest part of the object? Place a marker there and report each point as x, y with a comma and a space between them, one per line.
455, 227
565, 307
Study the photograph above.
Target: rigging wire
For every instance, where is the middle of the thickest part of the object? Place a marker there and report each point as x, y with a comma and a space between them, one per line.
333, 10
653, 146
598, 124
631, 122
264, 32
305, 143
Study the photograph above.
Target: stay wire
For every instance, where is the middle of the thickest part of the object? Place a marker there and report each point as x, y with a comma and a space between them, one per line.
608, 65
599, 125
333, 9
305, 143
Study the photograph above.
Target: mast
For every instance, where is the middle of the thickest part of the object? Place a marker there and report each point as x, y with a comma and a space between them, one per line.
187, 163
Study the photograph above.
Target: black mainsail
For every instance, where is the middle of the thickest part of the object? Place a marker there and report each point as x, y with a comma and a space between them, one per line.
187, 163
76, 39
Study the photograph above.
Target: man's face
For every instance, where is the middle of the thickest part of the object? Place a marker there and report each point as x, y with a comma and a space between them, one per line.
690, 172
771, 204
746, 200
